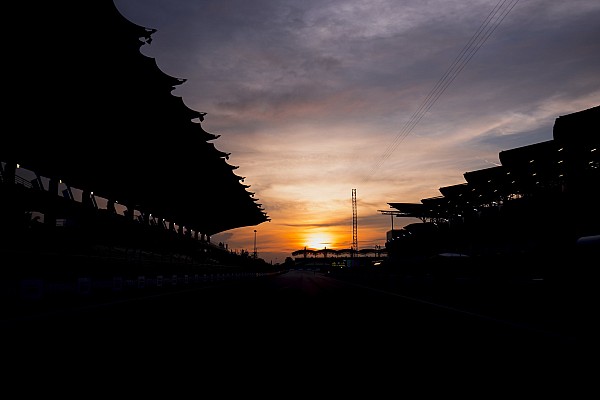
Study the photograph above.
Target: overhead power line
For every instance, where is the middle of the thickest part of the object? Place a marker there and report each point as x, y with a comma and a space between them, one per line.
488, 26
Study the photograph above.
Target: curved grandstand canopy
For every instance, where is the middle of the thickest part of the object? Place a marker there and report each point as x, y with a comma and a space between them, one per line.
568, 162
94, 112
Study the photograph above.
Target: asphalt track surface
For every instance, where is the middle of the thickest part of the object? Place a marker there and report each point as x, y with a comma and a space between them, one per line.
320, 309
298, 332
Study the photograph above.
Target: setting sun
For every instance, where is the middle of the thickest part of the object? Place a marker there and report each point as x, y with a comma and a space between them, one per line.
318, 240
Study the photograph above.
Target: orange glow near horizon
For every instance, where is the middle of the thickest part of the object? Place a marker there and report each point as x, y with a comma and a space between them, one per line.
322, 238
318, 240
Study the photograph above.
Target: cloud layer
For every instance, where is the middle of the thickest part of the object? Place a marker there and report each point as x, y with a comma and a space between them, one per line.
311, 97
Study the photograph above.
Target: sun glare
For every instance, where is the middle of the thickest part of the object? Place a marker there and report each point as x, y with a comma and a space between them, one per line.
318, 240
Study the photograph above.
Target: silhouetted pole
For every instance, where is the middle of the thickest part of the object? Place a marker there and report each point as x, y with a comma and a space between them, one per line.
255, 254
354, 224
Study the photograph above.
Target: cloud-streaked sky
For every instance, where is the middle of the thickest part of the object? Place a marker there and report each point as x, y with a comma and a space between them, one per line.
315, 98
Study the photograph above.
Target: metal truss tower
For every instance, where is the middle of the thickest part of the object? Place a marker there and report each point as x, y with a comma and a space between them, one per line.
354, 223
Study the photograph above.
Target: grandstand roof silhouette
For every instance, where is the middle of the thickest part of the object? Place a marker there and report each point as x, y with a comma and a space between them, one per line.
570, 162
88, 108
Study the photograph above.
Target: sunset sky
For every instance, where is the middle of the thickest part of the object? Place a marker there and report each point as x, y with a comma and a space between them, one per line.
393, 98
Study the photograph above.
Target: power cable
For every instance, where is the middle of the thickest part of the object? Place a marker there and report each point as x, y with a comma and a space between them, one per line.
488, 26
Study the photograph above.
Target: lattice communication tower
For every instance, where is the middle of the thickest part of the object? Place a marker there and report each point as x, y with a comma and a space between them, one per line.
354, 222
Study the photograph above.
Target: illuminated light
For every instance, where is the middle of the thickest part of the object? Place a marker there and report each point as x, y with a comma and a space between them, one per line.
534, 174
560, 162
18, 166
560, 175
594, 149
489, 181
530, 161
91, 193
60, 181
561, 149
